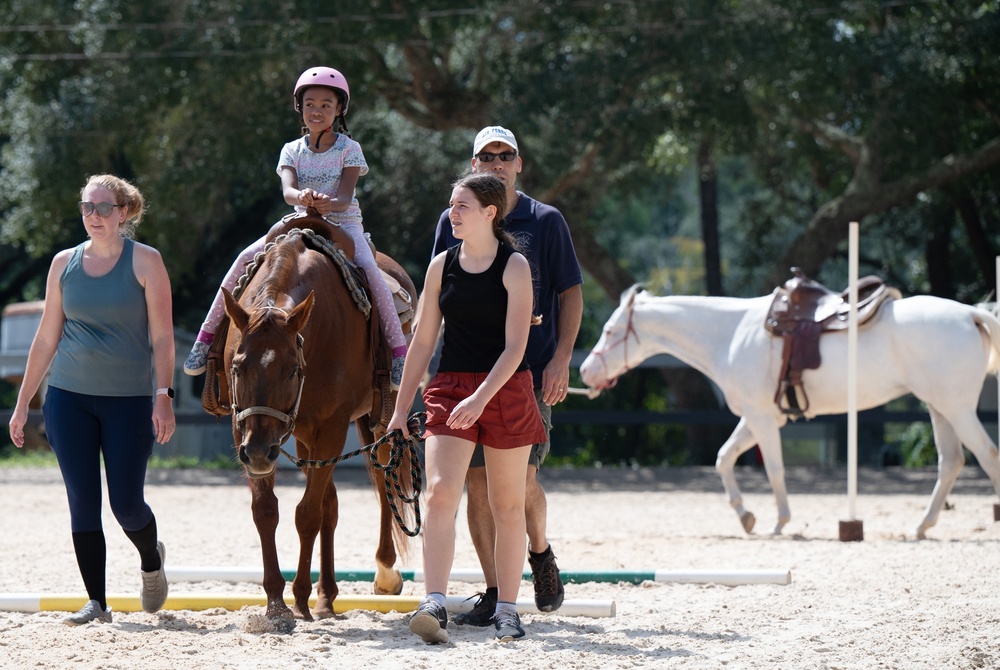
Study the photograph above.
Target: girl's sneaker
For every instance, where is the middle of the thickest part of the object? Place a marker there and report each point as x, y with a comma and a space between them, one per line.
396, 376
197, 359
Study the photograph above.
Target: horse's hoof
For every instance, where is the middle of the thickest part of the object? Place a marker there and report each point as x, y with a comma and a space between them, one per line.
324, 613
303, 614
280, 618
748, 520
394, 588
281, 624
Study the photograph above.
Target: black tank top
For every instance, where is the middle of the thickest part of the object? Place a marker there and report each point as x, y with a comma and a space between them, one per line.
474, 307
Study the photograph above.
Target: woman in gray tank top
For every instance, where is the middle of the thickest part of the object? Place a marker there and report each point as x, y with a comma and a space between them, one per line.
106, 341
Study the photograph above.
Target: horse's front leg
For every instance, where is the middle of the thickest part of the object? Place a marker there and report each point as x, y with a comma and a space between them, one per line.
264, 507
311, 515
768, 435
740, 441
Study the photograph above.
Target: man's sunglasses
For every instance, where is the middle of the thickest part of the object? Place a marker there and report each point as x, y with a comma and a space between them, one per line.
505, 156
104, 209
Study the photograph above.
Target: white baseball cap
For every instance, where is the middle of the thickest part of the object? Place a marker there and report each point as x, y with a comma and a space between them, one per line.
493, 134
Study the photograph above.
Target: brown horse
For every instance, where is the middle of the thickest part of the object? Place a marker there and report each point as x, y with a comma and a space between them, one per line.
300, 358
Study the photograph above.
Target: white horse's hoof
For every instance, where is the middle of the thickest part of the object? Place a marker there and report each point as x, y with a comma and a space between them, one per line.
748, 520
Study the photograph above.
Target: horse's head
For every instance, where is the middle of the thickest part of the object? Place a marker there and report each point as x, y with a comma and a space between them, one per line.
610, 356
267, 372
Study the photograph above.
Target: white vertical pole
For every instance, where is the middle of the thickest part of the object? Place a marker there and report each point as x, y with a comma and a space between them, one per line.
852, 372
996, 310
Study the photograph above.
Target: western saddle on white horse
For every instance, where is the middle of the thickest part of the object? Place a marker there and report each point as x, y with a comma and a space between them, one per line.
801, 311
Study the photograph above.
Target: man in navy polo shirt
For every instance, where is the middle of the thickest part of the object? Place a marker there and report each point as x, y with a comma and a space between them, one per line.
544, 235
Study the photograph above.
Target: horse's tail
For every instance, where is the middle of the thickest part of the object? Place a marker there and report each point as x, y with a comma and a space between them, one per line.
990, 324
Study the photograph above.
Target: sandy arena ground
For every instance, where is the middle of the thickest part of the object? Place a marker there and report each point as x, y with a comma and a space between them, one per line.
886, 602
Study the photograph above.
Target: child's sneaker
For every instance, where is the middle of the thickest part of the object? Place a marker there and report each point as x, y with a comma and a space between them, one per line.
197, 359
430, 622
396, 376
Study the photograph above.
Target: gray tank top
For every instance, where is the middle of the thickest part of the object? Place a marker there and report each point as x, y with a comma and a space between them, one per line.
105, 347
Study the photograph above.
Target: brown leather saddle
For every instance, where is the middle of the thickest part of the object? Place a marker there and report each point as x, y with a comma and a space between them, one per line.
800, 312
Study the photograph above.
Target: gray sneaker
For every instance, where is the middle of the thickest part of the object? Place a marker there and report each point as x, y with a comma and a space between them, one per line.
196, 361
90, 612
508, 625
154, 584
396, 376
430, 622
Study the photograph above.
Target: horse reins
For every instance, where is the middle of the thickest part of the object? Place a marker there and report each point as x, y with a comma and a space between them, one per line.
400, 446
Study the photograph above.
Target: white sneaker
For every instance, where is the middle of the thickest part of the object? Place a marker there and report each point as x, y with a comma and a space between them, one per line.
154, 584
90, 612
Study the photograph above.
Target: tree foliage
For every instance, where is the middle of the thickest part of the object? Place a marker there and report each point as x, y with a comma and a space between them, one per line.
884, 112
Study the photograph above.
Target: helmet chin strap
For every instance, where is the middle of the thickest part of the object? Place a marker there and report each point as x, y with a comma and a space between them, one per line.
319, 137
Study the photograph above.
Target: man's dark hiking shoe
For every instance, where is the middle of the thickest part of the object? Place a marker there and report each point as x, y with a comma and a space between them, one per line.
481, 613
549, 590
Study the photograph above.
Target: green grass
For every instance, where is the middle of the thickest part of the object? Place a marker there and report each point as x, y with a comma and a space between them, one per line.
12, 457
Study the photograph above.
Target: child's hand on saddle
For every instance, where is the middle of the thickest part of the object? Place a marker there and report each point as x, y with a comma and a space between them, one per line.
322, 203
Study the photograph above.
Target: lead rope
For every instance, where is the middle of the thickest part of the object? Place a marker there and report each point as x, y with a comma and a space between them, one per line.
400, 446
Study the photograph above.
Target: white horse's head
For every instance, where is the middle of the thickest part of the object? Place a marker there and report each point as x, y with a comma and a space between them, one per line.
610, 356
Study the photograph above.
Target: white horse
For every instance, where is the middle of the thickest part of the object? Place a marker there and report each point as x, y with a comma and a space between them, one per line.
938, 350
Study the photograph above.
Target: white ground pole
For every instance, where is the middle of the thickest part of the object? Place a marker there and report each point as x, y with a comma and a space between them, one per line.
996, 310
729, 577
852, 373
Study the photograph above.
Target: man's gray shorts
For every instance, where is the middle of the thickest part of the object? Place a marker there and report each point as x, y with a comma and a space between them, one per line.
538, 451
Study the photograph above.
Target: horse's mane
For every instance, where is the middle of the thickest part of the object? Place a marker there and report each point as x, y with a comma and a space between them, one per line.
280, 262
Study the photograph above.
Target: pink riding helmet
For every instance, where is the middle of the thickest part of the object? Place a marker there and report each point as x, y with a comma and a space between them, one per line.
321, 76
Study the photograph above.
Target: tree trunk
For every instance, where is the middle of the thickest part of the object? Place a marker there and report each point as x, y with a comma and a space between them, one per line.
937, 250
708, 192
975, 230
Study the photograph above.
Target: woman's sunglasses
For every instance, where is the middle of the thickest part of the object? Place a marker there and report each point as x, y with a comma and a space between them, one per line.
505, 156
104, 209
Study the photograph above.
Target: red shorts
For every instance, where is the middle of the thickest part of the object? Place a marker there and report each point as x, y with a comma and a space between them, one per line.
510, 419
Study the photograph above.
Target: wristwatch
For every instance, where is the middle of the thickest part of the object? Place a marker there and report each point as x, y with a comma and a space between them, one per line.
169, 392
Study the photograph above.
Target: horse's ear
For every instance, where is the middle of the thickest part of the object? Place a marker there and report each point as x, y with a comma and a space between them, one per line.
629, 297
299, 317
235, 311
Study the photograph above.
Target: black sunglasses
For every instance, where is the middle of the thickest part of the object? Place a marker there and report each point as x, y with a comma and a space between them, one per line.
104, 209
505, 156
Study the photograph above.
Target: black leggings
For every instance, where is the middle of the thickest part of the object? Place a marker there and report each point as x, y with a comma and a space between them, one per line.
80, 429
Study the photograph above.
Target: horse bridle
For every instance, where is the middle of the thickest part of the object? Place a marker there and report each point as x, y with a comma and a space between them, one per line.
629, 329
287, 419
